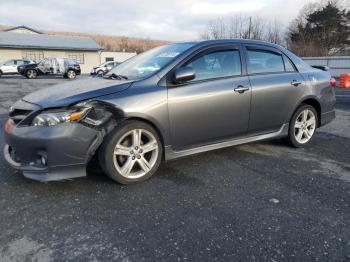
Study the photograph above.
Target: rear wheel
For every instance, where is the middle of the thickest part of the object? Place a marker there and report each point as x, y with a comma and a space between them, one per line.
302, 126
0, 73
71, 74
131, 153
31, 74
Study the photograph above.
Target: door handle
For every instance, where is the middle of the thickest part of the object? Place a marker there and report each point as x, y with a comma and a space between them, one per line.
241, 89
295, 83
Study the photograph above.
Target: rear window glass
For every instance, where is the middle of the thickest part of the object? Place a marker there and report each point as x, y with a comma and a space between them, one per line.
261, 61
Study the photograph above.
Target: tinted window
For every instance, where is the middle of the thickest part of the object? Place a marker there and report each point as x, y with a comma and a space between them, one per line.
216, 64
288, 64
261, 61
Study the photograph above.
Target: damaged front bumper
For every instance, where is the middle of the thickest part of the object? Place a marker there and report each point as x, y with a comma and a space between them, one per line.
48, 153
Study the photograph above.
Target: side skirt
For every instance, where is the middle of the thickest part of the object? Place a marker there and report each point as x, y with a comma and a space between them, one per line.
171, 154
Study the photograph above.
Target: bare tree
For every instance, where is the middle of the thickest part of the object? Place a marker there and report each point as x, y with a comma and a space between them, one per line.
246, 27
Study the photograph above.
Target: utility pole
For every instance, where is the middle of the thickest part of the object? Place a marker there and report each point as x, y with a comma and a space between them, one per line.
250, 26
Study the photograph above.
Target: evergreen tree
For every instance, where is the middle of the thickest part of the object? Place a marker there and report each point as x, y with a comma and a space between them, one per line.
321, 32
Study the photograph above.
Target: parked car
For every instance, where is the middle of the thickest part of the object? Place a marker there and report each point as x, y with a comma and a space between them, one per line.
200, 96
104, 68
66, 67
10, 66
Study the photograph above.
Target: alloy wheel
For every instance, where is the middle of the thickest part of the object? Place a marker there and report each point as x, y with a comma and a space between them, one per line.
32, 74
135, 153
304, 126
71, 74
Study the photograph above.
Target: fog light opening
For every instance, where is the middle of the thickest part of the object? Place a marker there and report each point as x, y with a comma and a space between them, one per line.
42, 159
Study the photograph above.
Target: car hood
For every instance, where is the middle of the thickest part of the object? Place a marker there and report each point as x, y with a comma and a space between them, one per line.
75, 91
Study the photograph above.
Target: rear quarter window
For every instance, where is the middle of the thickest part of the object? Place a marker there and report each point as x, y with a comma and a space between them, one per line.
288, 64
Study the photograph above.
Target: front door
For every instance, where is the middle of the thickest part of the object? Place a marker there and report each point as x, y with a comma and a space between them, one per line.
215, 105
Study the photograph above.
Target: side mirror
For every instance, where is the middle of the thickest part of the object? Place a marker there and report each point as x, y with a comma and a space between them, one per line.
184, 74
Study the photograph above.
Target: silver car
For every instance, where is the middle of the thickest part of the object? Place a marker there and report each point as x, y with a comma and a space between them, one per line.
195, 97
104, 68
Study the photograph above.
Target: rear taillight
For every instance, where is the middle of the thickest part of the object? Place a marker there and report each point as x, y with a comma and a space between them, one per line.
333, 82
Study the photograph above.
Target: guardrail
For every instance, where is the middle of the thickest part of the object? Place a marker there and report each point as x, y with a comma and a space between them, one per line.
338, 64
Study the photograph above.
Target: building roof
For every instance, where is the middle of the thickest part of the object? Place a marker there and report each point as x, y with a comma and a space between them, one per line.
43, 41
22, 27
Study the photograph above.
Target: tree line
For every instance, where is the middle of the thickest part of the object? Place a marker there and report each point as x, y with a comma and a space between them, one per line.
321, 29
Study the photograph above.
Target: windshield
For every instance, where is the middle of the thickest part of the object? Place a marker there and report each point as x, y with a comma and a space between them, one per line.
150, 62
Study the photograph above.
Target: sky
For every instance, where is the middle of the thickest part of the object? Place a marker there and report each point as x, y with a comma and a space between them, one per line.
175, 20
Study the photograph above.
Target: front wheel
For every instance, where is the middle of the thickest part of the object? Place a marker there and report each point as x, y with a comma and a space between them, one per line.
302, 126
71, 74
31, 74
131, 153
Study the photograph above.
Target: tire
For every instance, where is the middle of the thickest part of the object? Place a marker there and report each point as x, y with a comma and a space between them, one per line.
302, 126
31, 74
133, 161
71, 74
99, 73
0, 73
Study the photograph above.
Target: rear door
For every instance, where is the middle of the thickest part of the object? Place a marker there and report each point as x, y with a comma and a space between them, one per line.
208, 108
276, 86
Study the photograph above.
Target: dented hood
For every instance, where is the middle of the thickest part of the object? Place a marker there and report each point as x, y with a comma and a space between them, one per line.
75, 91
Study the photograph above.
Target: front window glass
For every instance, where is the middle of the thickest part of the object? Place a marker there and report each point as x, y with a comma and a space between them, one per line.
150, 62
217, 64
261, 61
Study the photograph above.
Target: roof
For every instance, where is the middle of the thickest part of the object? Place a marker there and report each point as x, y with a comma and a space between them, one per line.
42, 41
231, 40
23, 27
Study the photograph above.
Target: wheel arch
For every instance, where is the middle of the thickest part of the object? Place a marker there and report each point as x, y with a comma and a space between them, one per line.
119, 116
35, 69
150, 123
315, 103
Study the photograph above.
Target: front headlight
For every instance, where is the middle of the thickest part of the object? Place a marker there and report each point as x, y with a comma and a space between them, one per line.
52, 118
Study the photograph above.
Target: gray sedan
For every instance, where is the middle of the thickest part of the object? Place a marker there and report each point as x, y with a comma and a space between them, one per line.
169, 102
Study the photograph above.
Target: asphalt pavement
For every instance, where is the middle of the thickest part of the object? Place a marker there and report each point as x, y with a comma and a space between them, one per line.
263, 201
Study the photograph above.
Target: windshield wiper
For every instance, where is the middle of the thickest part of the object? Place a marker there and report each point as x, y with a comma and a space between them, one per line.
114, 76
